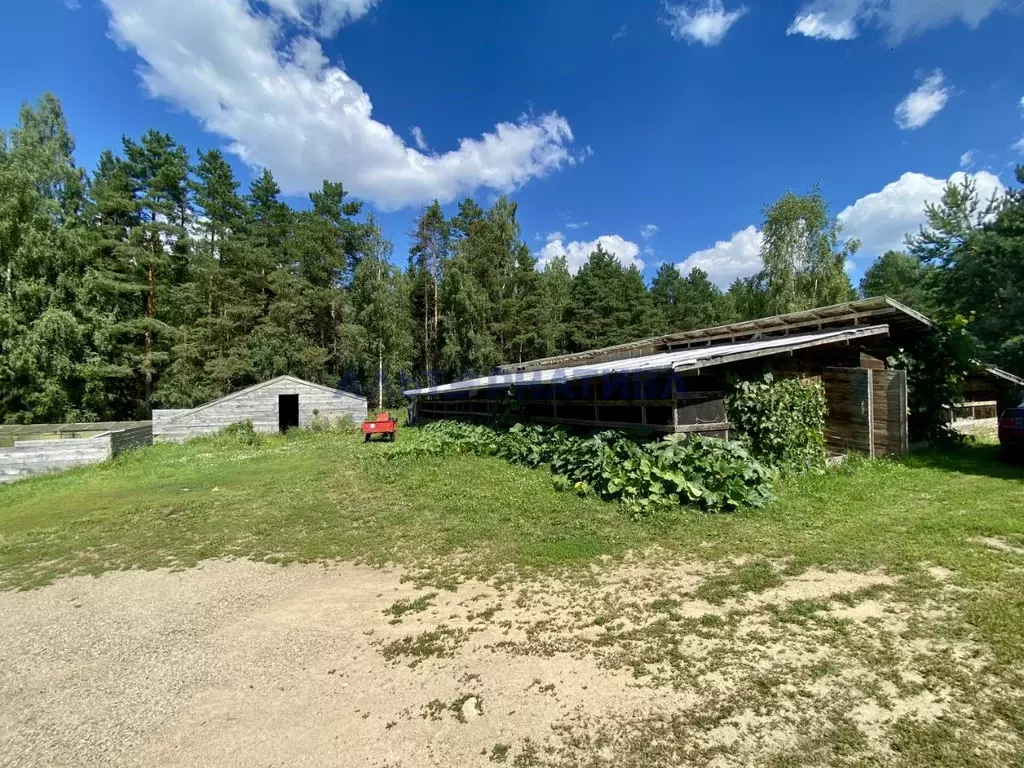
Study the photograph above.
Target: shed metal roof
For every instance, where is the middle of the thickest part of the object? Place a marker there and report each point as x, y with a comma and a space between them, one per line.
900, 319
681, 360
1006, 375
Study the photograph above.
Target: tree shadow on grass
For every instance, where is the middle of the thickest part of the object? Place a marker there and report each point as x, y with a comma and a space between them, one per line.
982, 459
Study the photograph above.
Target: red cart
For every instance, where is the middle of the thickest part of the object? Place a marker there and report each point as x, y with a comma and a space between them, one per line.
382, 424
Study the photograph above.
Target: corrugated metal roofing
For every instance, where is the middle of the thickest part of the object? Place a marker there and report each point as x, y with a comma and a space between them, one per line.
682, 360
873, 311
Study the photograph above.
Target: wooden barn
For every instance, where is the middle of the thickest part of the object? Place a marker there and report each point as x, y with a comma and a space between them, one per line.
676, 383
273, 406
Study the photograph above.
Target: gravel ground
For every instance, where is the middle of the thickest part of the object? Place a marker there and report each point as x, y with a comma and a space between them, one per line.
237, 663
141, 668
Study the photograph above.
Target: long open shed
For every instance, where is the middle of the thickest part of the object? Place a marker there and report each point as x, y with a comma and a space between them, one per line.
676, 383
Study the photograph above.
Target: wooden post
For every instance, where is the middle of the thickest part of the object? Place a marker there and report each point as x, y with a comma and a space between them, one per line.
675, 404
871, 412
904, 425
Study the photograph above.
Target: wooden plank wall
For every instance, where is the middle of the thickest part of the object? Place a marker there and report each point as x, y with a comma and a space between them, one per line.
35, 457
261, 408
889, 397
867, 411
848, 397
125, 439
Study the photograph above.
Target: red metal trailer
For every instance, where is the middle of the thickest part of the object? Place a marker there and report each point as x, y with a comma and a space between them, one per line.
382, 424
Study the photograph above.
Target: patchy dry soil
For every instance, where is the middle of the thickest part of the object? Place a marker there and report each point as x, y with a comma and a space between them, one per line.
641, 663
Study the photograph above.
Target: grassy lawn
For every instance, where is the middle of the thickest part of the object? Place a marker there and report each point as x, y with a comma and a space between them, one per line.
923, 522
315, 496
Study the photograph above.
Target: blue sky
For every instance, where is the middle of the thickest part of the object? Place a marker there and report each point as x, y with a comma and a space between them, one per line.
660, 128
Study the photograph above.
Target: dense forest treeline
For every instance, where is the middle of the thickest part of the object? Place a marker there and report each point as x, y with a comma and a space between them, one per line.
156, 281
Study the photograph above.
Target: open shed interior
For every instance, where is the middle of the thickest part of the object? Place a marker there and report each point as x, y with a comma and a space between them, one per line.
677, 383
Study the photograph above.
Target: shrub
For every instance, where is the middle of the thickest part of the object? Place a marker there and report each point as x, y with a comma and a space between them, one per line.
242, 432
936, 367
782, 422
713, 475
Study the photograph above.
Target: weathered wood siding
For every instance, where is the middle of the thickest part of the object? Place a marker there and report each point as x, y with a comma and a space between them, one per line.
34, 457
848, 398
867, 411
162, 416
125, 439
889, 398
260, 406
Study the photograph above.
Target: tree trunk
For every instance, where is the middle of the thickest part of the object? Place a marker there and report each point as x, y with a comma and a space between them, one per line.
150, 314
426, 335
436, 262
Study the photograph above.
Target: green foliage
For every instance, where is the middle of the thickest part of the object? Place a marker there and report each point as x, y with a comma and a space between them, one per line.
936, 366
608, 304
781, 421
687, 303
242, 432
804, 255
901, 277
158, 280
645, 477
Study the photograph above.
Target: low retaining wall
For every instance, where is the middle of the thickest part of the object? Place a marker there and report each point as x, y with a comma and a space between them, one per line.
34, 457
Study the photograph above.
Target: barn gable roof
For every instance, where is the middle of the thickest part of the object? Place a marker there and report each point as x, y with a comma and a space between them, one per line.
255, 387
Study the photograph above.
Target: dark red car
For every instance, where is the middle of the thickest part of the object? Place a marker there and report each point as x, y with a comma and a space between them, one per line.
1011, 432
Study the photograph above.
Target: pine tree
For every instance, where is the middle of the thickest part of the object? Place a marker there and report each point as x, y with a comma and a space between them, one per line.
556, 288
428, 257
158, 170
608, 304
380, 337
899, 276
211, 356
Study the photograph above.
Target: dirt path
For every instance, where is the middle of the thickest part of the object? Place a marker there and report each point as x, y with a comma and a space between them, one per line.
237, 663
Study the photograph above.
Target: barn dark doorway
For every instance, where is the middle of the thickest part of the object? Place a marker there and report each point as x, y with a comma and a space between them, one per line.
287, 412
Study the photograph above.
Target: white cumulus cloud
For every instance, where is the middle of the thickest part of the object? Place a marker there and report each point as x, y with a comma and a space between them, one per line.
740, 256
898, 19
705, 23
647, 231
923, 103
419, 138
577, 252
882, 219
325, 17
821, 27
274, 95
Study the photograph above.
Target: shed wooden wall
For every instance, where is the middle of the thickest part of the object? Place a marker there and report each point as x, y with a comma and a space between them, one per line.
867, 411
889, 401
34, 457
260, 406
125, 439
847, 397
